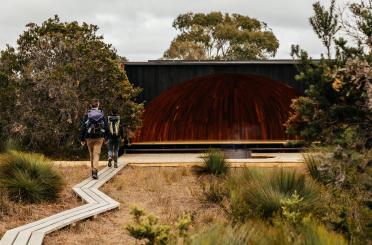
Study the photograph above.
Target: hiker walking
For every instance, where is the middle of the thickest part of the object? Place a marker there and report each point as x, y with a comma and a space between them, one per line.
115, 137
94, 133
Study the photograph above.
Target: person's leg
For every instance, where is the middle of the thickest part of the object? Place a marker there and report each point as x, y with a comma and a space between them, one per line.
116, 152
110, 150
97, 151
90, 144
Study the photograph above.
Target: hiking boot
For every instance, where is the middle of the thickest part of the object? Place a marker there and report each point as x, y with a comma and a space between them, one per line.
115, 165
109, 162
94, 174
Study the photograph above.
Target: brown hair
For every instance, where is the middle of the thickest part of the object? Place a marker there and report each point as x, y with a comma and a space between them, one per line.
95, 103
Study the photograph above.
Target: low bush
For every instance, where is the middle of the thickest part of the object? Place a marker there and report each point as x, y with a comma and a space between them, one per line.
261, 233
346, 202
262, 193
29, 177
148, 229
340, 167
214, 162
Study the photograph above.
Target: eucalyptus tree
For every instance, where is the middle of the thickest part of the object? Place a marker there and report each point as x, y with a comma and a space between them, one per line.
218, 36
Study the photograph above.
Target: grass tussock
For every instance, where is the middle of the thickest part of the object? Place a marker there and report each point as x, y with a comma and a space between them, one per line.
264, 193
214, 162
29, 177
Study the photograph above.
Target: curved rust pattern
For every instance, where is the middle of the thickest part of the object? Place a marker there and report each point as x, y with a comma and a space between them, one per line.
219, 107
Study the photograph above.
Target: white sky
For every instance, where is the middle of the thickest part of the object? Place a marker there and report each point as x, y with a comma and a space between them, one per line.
142, 30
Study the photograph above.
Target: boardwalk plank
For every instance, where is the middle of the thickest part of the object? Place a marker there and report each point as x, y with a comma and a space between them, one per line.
97, 202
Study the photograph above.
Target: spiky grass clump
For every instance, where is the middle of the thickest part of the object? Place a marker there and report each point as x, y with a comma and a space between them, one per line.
29, 177
214, 162
312, 164
262, 193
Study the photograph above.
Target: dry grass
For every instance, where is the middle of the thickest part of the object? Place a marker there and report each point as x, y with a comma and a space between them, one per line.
16, 214
165, 192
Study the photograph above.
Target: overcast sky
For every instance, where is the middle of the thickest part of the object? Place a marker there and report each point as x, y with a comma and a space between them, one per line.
142, 30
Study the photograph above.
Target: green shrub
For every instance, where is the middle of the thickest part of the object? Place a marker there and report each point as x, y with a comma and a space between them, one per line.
261, 193
219, 234
260, 233
214, 163
29, 177
346, 202
341, 167
314, 234
149, 229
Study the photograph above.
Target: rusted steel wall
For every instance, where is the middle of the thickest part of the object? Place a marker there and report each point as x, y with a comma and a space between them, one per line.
226, 106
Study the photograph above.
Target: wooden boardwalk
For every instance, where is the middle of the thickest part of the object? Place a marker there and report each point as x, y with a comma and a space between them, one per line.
96, 203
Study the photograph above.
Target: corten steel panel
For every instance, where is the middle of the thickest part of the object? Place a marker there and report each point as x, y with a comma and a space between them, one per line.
222, 106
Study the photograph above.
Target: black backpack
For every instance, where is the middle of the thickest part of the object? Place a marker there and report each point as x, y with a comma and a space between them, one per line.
95, 123
114, 125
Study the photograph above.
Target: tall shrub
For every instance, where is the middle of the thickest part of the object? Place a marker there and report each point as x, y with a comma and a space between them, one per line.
58, 67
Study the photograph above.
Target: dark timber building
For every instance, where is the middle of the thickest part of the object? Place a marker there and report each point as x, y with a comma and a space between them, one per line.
214, 101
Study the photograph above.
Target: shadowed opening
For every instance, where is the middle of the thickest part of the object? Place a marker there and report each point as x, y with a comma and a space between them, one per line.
222, 107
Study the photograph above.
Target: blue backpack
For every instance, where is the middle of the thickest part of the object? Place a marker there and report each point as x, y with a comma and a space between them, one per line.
95, 123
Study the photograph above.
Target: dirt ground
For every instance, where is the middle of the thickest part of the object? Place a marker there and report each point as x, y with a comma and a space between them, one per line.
166, 192
15, 214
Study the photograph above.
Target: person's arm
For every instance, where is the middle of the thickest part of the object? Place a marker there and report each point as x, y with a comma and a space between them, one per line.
83, 129
106, 135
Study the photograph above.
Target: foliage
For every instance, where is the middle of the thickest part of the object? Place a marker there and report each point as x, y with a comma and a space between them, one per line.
265, 193
7, 92
29, 177
218, 36
342, 168
336, 107
318, 234
214, 163
291, 207
347, 202
356, 22
347, 213
258, 232
325, 24
154, 233
219, 234
52, 76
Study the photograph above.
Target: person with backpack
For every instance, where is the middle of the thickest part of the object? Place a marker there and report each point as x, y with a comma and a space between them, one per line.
115, 137
94, 133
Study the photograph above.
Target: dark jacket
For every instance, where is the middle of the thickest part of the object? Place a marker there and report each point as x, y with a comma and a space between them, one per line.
84, 131
121, 129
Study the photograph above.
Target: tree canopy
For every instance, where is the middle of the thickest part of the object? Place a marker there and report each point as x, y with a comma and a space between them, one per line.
56, 70
337, 106
218, 36
325, 24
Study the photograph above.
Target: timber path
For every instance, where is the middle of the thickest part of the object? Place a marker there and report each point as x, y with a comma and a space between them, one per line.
96, 202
